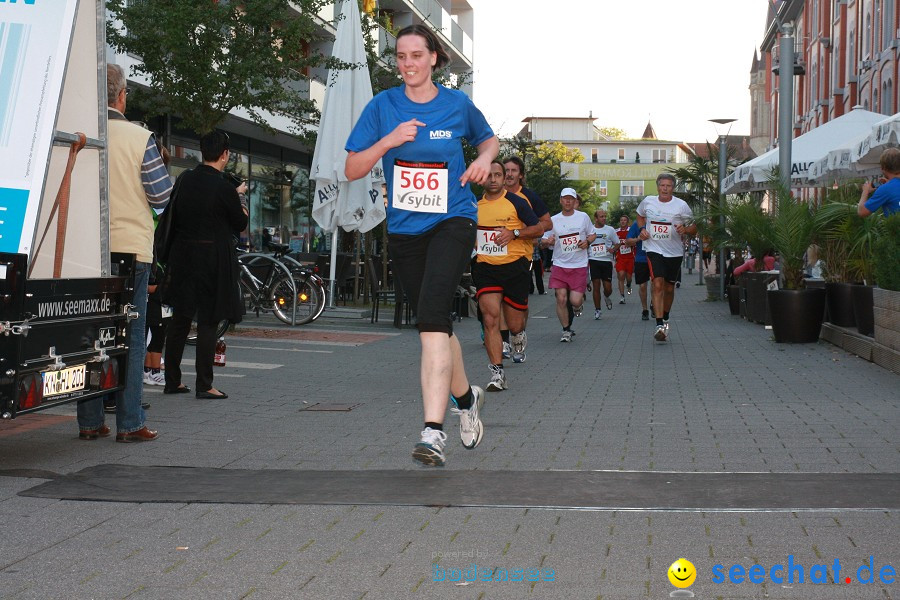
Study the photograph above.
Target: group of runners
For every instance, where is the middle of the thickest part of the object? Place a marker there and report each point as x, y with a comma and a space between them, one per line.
415, 132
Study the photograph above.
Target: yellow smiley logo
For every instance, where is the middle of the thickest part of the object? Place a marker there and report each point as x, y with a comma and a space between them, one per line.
682, 573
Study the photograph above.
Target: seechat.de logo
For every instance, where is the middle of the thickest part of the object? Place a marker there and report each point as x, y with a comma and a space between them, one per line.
14, 1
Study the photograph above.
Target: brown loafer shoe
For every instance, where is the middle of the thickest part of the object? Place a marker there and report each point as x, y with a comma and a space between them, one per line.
141, 435
93, 434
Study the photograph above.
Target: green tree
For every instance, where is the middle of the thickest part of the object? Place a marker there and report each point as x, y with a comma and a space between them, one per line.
204, 59
613, 133
542, 167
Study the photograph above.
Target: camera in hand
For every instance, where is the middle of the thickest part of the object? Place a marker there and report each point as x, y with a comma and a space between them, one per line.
232, 178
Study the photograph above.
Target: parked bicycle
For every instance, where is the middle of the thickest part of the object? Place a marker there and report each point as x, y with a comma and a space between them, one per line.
277, 283
269, 281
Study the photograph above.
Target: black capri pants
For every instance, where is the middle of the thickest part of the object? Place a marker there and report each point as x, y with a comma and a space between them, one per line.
430, 265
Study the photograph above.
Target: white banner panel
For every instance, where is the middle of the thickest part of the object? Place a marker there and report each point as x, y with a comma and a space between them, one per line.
34, 44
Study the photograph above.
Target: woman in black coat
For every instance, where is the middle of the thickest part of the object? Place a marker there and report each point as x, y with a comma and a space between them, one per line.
203, 268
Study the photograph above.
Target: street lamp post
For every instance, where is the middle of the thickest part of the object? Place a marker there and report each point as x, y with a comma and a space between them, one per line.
723, 163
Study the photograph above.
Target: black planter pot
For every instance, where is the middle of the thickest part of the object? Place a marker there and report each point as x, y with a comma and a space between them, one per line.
797, 315
819, 284
840, 304
734, 299
742, 286
864, 309
757, 284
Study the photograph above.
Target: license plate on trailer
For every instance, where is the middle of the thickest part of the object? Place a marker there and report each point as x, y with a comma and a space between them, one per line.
63, 381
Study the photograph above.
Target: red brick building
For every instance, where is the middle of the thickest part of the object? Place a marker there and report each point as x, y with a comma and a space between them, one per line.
845, 55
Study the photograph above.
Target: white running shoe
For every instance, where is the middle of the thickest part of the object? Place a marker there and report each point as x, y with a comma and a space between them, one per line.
147, 380
498, 380
628, 288
577, 310
597, 314
660, 335
507, 350
608, 303
430, 450
622, 301
519, 341
158, 378
566, 336
471, 428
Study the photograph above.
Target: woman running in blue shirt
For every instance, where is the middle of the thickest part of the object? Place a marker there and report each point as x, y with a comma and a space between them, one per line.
416, 131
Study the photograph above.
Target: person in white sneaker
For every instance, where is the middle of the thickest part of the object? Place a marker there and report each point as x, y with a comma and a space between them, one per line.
506, 226
415, 132
600, 261
664, 220
570, 237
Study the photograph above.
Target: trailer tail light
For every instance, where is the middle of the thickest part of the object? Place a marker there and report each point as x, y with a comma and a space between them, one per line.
109, 374
30, 391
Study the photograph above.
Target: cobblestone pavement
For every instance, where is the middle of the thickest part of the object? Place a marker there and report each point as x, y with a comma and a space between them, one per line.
720, 396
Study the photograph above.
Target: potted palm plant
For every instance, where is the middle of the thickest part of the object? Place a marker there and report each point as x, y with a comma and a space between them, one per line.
835, 225
750, 227
797, 312
885, 260
847, 240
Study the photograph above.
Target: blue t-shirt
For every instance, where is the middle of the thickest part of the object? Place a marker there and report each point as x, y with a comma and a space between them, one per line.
448, 118
639, 254
886, 197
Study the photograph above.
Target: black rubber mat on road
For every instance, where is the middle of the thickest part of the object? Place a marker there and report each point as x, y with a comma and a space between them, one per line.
505, 489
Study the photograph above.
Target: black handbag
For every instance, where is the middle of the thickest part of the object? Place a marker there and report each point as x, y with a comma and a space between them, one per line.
165, 227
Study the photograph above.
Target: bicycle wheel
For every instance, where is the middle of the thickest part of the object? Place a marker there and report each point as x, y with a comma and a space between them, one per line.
221, 328
308, 299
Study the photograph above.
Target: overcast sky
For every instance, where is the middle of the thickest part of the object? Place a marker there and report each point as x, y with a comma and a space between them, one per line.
676, 63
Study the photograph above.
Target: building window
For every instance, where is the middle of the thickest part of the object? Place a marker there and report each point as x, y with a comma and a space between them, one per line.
876, 23
632, 188
814, 84
852, 64
887, 29
888, 99
659, 155
601, 188
875, 107
594, 155
621, 154
867, 36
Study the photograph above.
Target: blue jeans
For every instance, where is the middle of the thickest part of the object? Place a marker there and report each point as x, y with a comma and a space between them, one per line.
129, 414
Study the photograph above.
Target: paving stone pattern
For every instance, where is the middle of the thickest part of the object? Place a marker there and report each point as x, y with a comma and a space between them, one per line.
720, 396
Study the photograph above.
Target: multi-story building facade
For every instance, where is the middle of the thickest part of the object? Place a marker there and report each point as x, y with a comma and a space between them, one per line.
617, 169
276, 165
846, 55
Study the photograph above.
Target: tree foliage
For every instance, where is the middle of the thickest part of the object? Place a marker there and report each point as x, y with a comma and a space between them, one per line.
542, 167
204, 59
613, 133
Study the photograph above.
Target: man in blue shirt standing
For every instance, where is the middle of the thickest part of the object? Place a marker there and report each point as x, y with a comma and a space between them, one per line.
641, 269
887, 195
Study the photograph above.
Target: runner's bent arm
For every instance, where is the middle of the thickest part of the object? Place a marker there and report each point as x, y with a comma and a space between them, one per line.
360, 163
480, 168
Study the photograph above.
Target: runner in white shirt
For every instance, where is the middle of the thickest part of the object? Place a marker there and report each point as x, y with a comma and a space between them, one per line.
663, 220
600, 260
570, 237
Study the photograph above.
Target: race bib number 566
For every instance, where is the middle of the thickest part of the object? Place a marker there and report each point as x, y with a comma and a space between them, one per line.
420, 186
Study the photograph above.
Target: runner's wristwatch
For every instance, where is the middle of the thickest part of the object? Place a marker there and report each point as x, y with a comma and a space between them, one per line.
516, 233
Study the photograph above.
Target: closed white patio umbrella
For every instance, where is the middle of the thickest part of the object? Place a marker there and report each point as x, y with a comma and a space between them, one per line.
352, 205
